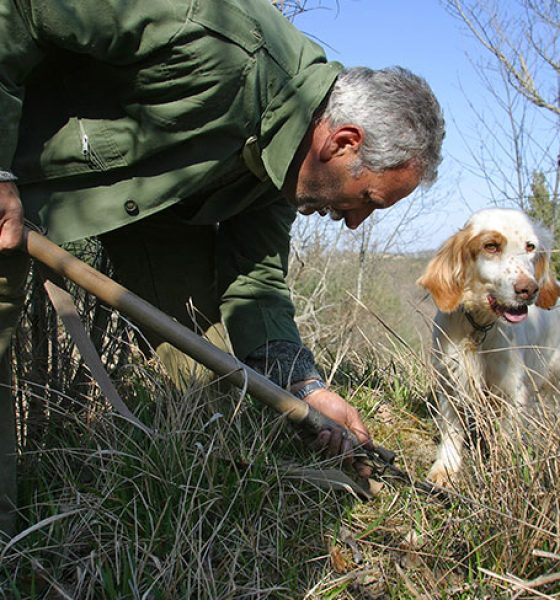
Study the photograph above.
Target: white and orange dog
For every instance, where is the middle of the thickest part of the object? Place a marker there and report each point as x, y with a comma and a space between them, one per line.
490, 283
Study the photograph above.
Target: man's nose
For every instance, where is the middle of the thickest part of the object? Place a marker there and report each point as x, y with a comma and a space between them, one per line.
356, 216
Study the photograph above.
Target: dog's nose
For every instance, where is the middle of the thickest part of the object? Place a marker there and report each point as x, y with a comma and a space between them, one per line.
525, 288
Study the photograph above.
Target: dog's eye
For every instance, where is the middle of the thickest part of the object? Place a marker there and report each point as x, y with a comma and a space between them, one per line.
492, 247
530, 247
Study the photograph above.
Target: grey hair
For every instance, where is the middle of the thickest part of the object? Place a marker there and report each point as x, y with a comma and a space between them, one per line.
399, 114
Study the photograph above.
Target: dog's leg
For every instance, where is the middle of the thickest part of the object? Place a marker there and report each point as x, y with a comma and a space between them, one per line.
449, 454
517, 388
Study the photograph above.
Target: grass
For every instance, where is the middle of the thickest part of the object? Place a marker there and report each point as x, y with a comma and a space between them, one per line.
199, 509
224, 500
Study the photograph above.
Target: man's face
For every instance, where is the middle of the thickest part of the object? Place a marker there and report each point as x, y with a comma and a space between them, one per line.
334, 190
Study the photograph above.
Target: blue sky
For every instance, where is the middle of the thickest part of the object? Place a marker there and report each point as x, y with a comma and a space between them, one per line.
422, 36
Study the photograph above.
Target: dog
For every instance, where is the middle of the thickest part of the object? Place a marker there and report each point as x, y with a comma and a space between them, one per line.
493, 333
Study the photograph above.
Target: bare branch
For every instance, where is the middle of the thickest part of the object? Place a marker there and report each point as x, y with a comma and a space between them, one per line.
525, 44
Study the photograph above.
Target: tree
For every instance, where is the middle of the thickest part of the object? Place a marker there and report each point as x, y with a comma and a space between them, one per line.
293, 8
518, 124
523, 37
544, 209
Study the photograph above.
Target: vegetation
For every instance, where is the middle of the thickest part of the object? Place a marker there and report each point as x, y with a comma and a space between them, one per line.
543, 207
225, 501
514, 138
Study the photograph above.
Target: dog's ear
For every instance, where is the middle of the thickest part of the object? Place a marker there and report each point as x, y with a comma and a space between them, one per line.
445, 274
549, 291
548, 294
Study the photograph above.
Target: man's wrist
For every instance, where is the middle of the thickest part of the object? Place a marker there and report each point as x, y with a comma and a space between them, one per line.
302, 389
7, 177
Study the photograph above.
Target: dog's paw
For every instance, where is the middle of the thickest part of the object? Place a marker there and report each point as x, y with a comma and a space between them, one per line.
441, 475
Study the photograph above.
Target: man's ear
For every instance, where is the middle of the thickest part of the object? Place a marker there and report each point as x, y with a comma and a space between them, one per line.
340, 141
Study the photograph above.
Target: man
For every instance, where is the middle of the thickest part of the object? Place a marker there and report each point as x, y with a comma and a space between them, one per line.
185, 134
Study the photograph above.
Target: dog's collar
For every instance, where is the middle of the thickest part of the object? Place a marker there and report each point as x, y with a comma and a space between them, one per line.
482, 329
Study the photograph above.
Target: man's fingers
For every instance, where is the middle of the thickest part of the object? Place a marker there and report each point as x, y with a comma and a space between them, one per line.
333, 443
346, 451
11, 217
362, 436
364, 470
11, 236
354, 423
321, 441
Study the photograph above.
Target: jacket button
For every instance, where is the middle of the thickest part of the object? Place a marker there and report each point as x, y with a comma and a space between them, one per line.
131, 207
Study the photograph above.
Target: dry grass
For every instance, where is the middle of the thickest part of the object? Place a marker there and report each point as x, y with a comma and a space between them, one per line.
212, 505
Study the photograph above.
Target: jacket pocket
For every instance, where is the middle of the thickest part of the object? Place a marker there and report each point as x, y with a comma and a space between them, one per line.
229, 20
271, 31
81, 146
98, 150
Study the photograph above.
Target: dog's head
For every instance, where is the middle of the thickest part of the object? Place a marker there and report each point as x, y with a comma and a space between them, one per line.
498, 264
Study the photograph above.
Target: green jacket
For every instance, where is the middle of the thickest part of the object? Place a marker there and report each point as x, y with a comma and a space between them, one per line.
111, 110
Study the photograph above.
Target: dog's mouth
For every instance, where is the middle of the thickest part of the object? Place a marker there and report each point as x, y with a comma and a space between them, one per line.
512, 314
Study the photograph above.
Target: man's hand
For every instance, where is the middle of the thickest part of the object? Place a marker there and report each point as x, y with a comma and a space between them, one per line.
11, 217
331, 441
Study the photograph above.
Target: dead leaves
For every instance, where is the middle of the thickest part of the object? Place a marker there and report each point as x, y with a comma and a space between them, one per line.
347, 559
350, 561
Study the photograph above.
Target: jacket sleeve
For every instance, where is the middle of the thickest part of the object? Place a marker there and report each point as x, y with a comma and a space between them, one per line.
18, 55
252, 263
285, 363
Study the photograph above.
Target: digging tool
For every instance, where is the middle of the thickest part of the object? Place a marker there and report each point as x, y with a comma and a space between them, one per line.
224, 364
